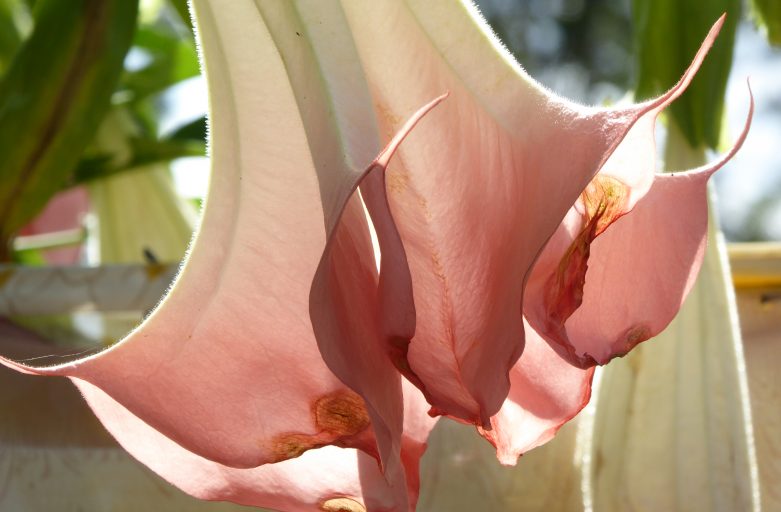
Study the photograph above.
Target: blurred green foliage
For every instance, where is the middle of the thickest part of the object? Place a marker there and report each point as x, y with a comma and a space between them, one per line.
643, 45
69, 70
667, 35
768, 14
53, 96
13, 22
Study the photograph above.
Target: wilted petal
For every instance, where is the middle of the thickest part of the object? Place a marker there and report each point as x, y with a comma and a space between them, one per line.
614, 275
478, 190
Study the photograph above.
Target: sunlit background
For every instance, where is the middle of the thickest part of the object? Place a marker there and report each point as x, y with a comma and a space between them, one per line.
583, 51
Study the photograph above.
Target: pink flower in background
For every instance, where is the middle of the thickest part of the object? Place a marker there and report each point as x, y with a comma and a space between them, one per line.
64, 212
288, 368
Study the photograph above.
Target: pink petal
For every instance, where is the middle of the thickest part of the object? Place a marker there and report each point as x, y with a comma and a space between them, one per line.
473, 215
356, 318
317, 480
343, 309
545, 393
322, 479
613, 276
417, 427
228, 366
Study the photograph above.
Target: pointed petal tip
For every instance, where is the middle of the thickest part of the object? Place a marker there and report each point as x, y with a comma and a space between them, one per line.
679, 88
744, 133
719, 23
384, 157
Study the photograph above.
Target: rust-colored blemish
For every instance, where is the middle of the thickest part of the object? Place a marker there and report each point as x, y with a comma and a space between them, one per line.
290, 446
604, 201
338, 416
635, 335
341, 413
438, 269
396, 181
341, 505
423, 205
388, 118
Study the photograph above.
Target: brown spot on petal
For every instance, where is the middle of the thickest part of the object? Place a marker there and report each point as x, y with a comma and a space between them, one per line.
604, 201
396, 181
341, 413
342, 505
338, 416
290, 446
635, 335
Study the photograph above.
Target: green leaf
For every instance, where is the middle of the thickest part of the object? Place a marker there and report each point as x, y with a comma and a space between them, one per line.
194, 130
767, 13
53, 97
171, 60
146, 152
183, 11
667, 35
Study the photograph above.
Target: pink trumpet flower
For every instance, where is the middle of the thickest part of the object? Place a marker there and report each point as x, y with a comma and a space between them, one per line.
290, 366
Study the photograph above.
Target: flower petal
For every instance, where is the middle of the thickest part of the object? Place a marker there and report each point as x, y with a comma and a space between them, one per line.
611, 278
474, 214
327, 479
545, 393
315, 481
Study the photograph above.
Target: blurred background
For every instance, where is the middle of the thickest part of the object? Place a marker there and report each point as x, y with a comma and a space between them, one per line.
585, 50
